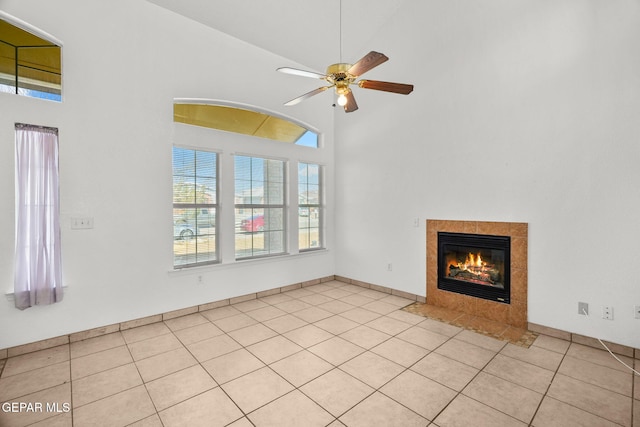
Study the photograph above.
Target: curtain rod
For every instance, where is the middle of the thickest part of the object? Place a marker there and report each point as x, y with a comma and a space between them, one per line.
44, 128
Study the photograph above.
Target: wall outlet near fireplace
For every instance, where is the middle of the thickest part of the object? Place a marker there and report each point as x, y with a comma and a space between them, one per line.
636, 310
583, 308
607, 312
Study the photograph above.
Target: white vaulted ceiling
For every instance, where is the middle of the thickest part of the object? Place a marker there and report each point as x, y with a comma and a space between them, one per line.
304, 31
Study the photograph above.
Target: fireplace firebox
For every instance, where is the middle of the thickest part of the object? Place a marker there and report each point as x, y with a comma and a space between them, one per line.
475, 264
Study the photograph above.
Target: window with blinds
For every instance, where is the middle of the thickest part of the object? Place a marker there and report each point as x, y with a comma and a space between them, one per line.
309, 206
195, 203
259, 207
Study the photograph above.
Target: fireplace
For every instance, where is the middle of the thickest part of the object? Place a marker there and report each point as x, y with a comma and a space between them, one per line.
514, 313
477, 265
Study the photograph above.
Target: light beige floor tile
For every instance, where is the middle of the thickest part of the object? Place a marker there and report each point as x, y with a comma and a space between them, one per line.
34, 380
538, 356
464, 412
337, 391
211, 408
105, 383
312, 314
480, 340
422, 337
253, 390
365, 337
337, 293
440, 327
285, 323
220, 313
519, 372
299, 293
372, 369
274, 349
179, 386
636, 413
360, 315
301, 367
276, 298
380, 307
102, 361
336, 306
400, 352
336, 350
599, 375
553, 413
405, 316
252, 334
145, 332
389, 325
357, 299
231, 323
61, 420
153, 346
599, 357
606, 404
242, 422
213, 347
446, 371
316, 299
420, 394
266, 313
292, 306
551, 343
466, 353
379, 410
291, 410
336, 324
187, 321
512, 399
197, 333
58, 397
371, 293
152, 421
97, 344
163, 364
308, 335
37, 359
118, 410
253, 304
232, 365
396, 300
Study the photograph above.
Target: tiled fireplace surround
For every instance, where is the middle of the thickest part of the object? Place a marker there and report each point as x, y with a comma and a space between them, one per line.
514, 314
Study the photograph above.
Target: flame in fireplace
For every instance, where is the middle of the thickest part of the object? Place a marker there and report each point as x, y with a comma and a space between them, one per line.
472, 261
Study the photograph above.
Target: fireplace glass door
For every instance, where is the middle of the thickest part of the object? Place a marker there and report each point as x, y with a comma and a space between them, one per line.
473, 264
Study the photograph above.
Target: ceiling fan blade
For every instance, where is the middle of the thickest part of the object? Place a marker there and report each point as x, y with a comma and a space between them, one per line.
370, 60
351, 104
401, 88
301, 73
307, 95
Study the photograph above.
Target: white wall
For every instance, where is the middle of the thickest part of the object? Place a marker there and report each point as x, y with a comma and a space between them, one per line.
124, 62
523, 111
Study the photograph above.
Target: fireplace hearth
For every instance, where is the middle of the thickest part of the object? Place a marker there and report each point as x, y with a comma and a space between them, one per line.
475, 265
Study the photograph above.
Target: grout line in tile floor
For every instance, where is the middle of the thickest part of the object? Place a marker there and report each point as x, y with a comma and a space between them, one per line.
329, 355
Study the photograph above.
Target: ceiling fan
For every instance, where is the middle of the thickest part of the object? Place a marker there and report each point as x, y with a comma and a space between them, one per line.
342, 75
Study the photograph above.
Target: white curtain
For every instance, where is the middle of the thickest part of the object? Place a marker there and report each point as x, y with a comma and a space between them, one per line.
38, 263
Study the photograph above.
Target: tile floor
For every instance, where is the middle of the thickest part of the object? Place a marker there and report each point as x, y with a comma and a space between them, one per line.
327, 355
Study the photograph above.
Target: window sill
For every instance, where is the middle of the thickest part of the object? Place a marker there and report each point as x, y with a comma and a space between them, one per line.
245, 262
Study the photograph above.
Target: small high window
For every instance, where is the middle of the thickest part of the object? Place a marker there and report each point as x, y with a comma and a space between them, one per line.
243, 121
30, 65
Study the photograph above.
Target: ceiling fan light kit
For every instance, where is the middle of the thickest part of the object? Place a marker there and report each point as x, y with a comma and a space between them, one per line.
341, 75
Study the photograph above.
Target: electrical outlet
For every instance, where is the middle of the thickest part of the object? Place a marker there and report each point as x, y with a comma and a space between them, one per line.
583, 308
81, 223
389, 267
607, 312
636, 310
